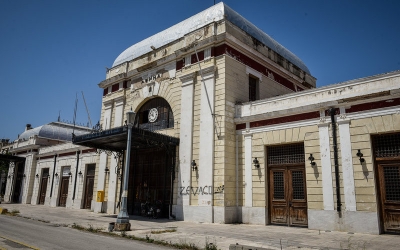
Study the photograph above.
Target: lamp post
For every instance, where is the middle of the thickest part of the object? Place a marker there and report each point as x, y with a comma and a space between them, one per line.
122, 223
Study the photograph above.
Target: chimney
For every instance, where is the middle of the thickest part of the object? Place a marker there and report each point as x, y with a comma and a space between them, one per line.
28, 127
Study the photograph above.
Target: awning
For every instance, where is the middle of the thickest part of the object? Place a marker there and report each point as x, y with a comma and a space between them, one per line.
4, 157
115, 139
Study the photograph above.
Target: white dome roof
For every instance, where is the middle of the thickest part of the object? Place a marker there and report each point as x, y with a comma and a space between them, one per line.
217, 12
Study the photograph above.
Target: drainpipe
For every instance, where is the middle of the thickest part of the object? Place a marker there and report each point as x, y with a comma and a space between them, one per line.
237, 178
171, 199
76, 173
336, 159
52, 179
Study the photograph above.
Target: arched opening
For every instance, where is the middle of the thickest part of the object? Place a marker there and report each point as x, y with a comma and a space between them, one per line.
154, 115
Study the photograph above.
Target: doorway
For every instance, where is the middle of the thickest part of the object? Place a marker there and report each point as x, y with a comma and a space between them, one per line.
43, 186
387, 157
89, 182
19, 178
150, 180
66, 174
287, 185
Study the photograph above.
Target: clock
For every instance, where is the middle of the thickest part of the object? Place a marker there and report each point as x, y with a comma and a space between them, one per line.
153, 115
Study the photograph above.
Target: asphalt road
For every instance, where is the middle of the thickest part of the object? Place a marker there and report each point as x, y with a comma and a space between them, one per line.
21, 233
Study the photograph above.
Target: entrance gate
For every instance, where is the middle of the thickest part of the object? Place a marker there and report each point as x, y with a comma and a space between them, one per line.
387, 157
149, 180
287, 185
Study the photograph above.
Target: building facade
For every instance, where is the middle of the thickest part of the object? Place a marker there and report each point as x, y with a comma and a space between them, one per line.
47, 169
229, 127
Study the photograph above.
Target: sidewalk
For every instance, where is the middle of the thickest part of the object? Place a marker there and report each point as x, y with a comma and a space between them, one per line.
223, 235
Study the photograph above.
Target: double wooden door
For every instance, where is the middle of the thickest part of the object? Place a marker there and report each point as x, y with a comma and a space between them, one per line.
64, 191
389, 184
287, 195
88, 192
43, 189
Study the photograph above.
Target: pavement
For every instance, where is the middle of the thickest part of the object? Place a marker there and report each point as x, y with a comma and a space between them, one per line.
221, 235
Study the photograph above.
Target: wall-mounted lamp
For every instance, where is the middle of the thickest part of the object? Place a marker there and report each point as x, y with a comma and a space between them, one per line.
24, 176
37, 175
56, 174
69, 174
194, 165
80, 173
359, 154
256, 163
106, 170
311, 159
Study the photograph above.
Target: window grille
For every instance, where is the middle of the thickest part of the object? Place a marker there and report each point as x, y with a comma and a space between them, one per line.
387, 145
392, 182
279, 186
298, 185
164, 118
285, 154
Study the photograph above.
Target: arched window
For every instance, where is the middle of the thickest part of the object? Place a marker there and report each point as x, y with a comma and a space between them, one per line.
155, 114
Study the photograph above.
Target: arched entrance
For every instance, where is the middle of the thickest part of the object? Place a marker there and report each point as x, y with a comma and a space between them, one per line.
151, 169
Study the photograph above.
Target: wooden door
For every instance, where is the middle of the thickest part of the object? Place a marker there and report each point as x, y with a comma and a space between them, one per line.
287, 196
64, 191
43, 189
389, 180
88, 192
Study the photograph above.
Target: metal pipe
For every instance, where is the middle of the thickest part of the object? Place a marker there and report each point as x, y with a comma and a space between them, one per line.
171, 199
76, 171
54, 171
336, 159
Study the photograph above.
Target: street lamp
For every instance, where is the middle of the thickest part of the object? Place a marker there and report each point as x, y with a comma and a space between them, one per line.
122, 223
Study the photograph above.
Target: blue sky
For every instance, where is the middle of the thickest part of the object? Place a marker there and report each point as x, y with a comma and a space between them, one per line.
52, 50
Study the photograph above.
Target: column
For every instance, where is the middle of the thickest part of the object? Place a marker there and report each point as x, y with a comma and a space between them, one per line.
347, 161
186, 139
113, 179
98, 206
206, 151
326, 165
248, 171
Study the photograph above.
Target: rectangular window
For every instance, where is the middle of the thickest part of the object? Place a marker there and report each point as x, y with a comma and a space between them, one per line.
253, 89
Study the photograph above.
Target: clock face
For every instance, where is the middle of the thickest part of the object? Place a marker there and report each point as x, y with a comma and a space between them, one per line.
153, 114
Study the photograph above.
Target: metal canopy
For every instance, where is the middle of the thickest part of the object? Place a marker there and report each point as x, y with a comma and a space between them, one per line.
14, 158
115, 139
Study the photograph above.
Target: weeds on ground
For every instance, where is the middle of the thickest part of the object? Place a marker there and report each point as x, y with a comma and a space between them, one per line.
353, 245
148, 239
210, 245
14, 212
163, 231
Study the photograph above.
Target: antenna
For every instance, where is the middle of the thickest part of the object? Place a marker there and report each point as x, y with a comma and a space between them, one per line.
87, 110
76, 107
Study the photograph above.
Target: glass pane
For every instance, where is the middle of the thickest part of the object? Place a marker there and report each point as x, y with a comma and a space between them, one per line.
392, 183
279, 187
298, 185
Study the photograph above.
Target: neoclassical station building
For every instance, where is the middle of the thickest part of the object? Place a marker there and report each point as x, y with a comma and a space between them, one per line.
230, 128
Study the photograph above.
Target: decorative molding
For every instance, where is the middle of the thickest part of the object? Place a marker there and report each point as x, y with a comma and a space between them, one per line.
187, 79
119, 101
277, 127
208, 72
254, 72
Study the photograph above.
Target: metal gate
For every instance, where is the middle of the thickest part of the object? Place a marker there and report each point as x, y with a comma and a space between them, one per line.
287, 185
387, 157
150, 180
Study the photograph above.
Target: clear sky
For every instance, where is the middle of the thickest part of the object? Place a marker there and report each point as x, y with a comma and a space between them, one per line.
52, 50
